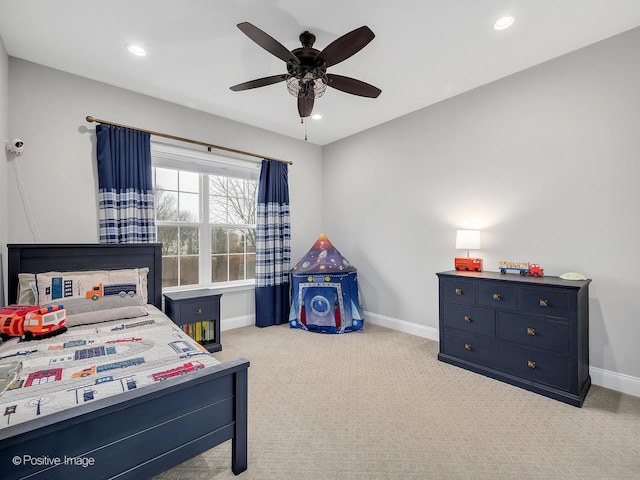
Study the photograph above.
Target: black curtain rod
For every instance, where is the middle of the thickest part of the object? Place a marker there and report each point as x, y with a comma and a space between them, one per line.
188, 140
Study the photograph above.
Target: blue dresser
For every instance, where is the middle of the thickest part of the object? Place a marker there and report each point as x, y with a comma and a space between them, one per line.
531, 332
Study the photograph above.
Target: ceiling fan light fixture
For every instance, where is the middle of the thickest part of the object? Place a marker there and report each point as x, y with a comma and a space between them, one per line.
504, 22
296, 85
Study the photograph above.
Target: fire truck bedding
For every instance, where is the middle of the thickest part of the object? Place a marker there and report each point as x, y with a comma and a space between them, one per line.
94, 361
126, 397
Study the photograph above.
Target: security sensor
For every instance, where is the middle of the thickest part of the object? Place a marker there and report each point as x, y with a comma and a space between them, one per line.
15, 146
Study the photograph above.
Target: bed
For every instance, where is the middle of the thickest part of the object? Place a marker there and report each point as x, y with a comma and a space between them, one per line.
142, 431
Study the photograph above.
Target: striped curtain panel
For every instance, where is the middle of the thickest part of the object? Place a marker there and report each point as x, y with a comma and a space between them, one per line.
273, 245
125, 185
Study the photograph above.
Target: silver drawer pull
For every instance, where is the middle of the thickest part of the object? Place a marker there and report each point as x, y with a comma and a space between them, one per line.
496, 296
467, 318
544, 303
198, 311
458, 291
531, 331
467, 346
531, 364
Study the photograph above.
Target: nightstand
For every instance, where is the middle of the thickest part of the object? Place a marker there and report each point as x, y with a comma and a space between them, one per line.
197, 312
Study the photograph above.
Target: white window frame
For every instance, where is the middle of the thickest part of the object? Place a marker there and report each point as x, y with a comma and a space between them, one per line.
180, 158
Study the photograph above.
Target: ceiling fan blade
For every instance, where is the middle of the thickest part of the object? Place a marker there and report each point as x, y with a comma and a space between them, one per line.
267, 42
345, 46
259, 82
305, 104
353, 86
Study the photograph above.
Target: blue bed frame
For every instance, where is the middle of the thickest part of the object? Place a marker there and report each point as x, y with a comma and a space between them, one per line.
139, 433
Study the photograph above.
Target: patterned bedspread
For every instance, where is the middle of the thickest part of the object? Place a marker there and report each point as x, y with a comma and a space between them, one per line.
93, 361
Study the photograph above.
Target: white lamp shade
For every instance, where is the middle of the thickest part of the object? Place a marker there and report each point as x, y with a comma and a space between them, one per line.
468, 239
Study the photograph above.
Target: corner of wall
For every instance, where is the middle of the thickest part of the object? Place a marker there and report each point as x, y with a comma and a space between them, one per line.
4, 183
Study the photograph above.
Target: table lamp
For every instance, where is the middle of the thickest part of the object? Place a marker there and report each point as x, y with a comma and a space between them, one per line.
468, 240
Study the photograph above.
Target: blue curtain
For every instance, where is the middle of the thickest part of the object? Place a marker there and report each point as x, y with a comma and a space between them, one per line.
273, 245
125, 185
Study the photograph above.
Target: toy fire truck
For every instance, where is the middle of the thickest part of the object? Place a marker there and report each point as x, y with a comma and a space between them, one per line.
468, 264
32, 321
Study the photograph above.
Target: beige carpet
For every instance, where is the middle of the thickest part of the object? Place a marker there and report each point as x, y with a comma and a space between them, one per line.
377, 405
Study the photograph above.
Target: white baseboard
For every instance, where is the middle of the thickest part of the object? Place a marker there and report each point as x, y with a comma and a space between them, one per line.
237, 322
615, 381
401, 326
603, 378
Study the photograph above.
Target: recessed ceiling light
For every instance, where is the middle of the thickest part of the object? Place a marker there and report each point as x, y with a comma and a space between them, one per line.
136, 50
316, 116
504, 22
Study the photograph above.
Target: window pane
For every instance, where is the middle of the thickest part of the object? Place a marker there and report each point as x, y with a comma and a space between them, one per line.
166, 204
189, 274
219, 271
189, 182
168, 236
236, 241
251, 266
189, 243
251, 240
169, 271
189, 207
217, 185
166, 179
237, 210
236, 267
217, 209
219, 240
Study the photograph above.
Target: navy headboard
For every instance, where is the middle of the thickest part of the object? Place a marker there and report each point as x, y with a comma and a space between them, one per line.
38, 258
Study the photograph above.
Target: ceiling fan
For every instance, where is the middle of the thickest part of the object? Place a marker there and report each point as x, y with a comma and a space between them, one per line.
307, 77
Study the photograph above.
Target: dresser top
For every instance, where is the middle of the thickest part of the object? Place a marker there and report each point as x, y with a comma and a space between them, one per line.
515, 277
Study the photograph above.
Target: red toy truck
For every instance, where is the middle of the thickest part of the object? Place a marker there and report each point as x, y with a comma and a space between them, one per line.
468, 264
525, 268
32, 321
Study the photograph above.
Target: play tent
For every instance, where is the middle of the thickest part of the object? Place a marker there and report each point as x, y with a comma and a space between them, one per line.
324, 291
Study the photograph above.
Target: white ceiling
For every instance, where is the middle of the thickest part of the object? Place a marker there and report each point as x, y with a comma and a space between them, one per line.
424, 51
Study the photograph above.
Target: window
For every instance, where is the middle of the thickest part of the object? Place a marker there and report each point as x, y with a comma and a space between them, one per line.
205, 214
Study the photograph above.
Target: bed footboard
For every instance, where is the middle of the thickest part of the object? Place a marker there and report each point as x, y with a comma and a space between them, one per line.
150, 431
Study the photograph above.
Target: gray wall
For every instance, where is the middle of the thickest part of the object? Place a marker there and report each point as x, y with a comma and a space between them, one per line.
544, 162
48, 109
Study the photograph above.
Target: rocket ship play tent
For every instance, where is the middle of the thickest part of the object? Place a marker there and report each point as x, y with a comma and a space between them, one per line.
324, 291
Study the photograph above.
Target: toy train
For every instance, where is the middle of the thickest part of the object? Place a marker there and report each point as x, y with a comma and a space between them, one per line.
524, 268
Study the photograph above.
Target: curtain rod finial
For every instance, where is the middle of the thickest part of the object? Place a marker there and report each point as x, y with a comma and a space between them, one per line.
90, 118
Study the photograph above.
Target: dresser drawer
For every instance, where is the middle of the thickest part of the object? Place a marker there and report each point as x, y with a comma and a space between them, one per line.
469, 319
197, 310
537, 366
472, 348
539, 332
498, 295
460, 291
544, 302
